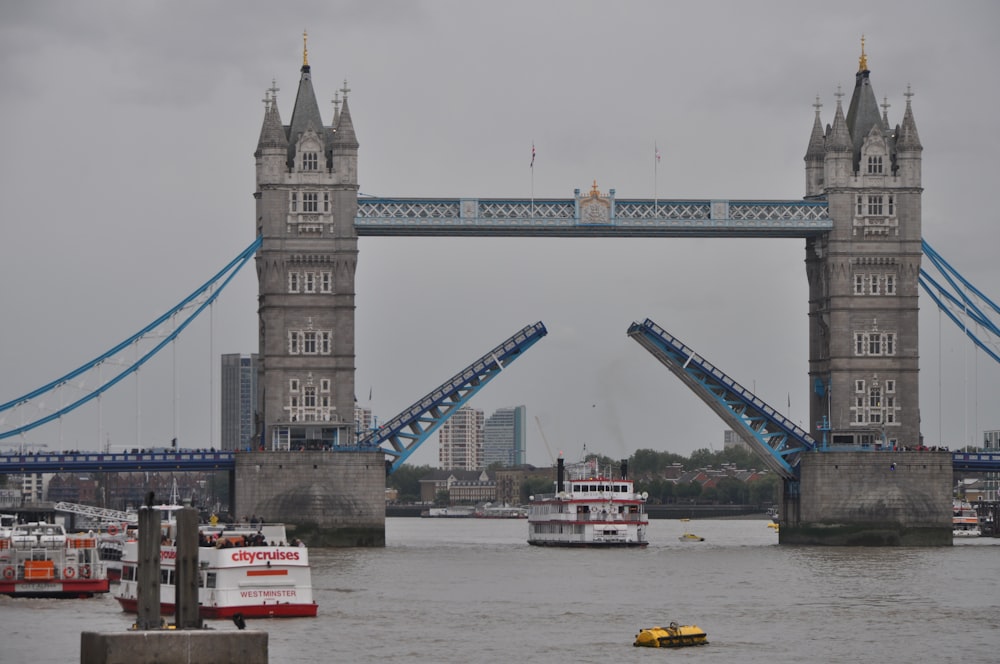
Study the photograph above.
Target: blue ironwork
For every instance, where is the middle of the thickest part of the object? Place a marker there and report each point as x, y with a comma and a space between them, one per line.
562, 218
400, 436
954, 301
771, 435
967, 461
173, 460
206, 294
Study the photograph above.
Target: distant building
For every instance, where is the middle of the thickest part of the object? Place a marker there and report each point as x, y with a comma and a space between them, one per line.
462, 486
504, 437
732, 439
461, 441
363, 419
239, 397
991, 440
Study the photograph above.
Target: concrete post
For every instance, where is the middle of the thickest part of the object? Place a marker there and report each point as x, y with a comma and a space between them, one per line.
148, 581
186, 571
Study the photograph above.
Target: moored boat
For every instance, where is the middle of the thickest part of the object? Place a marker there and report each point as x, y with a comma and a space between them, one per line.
589, 509
255, 572
965, 520
671, 636
41, 560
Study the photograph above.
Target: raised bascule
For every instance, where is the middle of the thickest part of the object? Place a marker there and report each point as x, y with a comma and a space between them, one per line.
846, 480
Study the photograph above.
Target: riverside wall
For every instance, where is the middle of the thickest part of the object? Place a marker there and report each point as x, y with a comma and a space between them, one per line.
870, 499
324, 498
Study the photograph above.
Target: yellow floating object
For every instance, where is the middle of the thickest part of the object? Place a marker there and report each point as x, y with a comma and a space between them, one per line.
691, 537
672, 636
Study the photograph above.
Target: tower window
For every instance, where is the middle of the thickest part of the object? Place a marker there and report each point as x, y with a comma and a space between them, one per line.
875, 206
859, 284
875, 165
310, 279
310, 202
890, 284
294, 202
310, 161
860, 202
293, 282
326, 201
309, 345
325, 281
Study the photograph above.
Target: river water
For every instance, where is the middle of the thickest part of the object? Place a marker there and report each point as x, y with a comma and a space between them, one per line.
472, 590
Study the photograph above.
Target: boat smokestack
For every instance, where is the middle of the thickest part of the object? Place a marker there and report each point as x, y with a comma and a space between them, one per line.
560, 475
624, 469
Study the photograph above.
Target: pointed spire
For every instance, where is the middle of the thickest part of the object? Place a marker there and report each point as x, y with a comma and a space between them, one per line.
305, 114
839, 138
863, 113
908, 138
345, 136
272, 134
815, 149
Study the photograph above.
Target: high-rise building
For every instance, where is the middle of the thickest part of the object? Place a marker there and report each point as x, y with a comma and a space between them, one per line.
504, 437
239, 400
461, 440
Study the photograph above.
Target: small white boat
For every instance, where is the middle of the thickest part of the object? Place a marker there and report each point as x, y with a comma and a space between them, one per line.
41, 560
965, 520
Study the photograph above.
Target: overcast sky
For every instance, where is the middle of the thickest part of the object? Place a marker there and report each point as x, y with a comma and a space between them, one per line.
127, 173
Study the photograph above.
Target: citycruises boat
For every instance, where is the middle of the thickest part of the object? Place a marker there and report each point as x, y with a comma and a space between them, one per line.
41, 560
965, 520
254, 571
588, 509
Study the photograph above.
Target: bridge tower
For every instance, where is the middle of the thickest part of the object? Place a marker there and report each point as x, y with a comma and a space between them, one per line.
307, 183
863, 290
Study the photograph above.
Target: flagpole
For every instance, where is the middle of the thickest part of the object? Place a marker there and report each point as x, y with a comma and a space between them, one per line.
656, 179
532, 180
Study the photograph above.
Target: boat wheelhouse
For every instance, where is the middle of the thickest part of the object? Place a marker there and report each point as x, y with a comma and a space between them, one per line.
590, 509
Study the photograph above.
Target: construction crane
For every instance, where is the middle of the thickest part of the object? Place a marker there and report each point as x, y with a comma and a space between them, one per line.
99, 513
544, 440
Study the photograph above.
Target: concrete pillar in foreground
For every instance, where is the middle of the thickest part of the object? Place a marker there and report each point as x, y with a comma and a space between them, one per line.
148, 570
186, 571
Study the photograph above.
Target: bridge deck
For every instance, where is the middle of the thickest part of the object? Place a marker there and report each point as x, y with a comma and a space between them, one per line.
582, 216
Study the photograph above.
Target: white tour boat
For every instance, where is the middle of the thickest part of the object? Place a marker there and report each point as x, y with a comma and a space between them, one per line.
588, 509
41, 560
965, 520
253, 571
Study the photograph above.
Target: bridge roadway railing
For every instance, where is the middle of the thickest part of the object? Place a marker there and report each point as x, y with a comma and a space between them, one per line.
58, 462
610, 217
974, 461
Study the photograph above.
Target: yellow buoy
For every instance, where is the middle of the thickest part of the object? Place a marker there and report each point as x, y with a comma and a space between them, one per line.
672, 636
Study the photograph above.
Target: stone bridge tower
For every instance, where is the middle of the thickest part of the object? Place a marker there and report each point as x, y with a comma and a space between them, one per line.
307, 183
863, 290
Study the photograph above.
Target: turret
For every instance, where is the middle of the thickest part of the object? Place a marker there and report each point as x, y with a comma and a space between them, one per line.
908, 148
815, 153
272, 147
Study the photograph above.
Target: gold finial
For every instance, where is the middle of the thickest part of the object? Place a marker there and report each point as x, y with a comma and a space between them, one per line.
305, 49
863, 60
595, 191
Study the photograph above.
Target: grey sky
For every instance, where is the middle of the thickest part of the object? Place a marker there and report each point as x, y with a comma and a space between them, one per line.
126, 180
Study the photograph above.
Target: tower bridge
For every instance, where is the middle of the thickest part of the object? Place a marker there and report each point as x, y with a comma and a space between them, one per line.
860, 219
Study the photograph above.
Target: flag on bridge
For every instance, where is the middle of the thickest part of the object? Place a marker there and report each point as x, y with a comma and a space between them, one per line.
532, 155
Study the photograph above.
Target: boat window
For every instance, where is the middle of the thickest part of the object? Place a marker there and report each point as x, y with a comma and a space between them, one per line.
210, 580
166, 577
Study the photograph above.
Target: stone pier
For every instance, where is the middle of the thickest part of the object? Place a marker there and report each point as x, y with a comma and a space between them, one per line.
324, 498
870, 499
